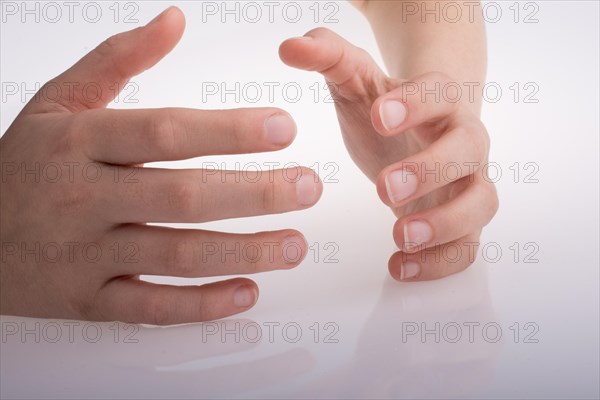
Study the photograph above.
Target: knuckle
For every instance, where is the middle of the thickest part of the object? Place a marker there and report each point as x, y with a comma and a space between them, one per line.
67, 141
319, 31
158, 310
107, 49
252, 264
465, 263
269, 201
71, 199
459, 216
475, 138
163, 133
204, 310
180, 260
87, 310
255, 258
65, 144
238, 130
109, 45
481, 136
493, 200
112, 43
185, 200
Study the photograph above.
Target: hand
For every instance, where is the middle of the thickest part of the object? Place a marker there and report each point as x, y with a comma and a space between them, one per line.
74, 239
398, 137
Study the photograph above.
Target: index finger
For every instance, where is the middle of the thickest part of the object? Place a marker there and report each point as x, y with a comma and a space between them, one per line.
139, 136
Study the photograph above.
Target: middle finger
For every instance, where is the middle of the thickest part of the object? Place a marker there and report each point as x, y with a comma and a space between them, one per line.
201, 195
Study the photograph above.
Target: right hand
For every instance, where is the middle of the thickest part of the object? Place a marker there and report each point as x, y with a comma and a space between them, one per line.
75, 246
403, 140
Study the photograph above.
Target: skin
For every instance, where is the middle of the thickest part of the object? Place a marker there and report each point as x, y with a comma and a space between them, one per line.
456, 205
127, 195
116, 207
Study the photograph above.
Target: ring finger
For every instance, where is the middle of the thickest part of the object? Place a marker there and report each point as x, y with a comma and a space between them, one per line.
198, 253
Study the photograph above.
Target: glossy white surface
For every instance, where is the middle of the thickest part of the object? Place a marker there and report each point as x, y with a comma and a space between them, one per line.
553, 304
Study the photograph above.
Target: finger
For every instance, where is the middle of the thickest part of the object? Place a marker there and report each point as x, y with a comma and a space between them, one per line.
135, 301
197, 253
165, 195
435, 262
141, 136
427, 98
98, 77
458, 153
324, 51
468, 212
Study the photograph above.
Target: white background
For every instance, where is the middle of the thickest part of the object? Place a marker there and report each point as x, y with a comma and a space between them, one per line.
558, 295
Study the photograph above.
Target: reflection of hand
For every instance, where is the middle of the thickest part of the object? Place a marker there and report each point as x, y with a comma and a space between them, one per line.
421, 346
430, 347
174, 362
110, 207
397, 140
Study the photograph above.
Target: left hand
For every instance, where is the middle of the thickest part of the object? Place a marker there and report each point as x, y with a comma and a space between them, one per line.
425, 152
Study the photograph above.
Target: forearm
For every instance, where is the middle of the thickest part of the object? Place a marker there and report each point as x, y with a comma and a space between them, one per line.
411, 46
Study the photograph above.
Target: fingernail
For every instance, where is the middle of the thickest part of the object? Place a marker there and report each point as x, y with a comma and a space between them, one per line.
416, 233
400, 185
292, 249
281, 129
392, 114
306, 190
244, 296
410, 269
159, 16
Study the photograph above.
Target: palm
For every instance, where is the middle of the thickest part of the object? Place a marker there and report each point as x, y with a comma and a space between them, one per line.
370, 150
400, 143
355, 83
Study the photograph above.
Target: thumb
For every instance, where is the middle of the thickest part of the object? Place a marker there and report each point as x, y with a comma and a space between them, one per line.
349, 68
96, 79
